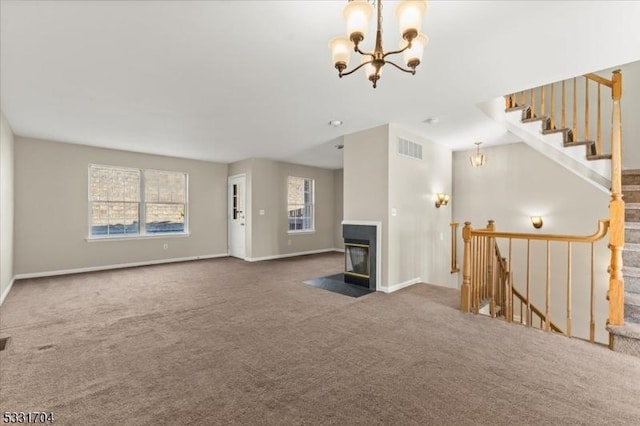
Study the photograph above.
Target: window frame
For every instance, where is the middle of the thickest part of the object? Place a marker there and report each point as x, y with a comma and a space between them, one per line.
142, 210
312, 204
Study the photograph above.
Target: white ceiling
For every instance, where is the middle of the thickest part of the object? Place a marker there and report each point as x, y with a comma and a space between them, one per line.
227, 80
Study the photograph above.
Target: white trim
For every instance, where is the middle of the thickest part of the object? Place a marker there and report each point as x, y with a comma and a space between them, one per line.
402, 285
281, 256
117, 266
8, 289
141, 237
340, 250
378, 226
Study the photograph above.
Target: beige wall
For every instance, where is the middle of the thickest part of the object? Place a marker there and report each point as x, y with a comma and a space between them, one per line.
419, 243
6, 206
51, 223
630, 105
378, 182
267, 234
366, 183
338, 183
517, 182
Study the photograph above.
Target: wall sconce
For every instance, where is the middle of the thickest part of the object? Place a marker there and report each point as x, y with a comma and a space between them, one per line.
441, 200
536, 221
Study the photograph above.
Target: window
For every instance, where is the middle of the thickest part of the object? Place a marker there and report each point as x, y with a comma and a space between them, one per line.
300, 204
120, 197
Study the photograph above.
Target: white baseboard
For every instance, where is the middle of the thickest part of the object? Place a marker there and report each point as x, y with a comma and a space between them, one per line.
399, 286
117, 266
5, 293
282, 256
339, 250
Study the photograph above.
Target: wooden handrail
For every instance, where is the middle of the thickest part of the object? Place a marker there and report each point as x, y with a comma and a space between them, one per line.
487, 276
603, 225
598, 79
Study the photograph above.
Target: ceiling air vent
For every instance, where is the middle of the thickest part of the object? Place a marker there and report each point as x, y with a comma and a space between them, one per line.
409, 149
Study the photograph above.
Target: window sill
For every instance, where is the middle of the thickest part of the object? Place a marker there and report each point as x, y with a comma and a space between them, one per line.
138, 237
311, 231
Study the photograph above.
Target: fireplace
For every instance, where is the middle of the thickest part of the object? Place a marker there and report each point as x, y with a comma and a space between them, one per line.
356, 261
360, 254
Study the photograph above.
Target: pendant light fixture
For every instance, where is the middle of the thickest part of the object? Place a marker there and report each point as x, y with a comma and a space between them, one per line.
478, 159
357, 13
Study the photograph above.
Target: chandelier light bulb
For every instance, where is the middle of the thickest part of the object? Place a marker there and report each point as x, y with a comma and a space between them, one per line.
357, 14
340, 52
410, 14
413, 54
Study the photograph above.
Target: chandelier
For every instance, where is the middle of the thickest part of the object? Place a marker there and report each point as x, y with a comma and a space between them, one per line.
357, 13
478, 159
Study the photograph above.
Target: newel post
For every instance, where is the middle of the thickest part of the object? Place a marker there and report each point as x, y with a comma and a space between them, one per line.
615, 295
491, 253
465, 291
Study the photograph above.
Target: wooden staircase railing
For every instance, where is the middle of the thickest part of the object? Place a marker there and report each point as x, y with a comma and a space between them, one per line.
488, 277
578, 122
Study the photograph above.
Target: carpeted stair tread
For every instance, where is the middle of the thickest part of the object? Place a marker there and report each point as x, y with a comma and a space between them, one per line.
631, 254
631, 214
628, 330
626, 338
631, 284
631, 177
630, 271
631, 236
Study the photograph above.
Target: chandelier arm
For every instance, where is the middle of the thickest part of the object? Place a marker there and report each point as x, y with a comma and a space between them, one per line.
410, 71
356, 68
394, 52
372, 54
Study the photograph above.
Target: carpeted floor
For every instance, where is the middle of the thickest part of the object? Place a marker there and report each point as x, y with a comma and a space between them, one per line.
228, 342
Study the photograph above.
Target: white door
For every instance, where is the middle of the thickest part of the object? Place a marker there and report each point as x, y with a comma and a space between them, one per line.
236, 217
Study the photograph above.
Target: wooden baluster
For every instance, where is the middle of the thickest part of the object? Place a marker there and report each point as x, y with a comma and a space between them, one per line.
533, 103
521, 311
592, 313
529, 282
599, 126
476, 274
553, 107
510, 293
574, 127
586, 109
563, 118
568, 331
523, 98
615, 295
493, 279
513, 101
454, 247
547, 304
465, 291
542, 103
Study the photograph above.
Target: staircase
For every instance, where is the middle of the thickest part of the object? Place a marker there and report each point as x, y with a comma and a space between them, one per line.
626, 338
486, 275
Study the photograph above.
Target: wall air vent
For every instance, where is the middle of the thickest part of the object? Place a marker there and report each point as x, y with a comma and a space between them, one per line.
409, 149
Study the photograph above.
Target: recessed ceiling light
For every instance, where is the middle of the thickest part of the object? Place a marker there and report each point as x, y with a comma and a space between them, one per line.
432, 120
335, 123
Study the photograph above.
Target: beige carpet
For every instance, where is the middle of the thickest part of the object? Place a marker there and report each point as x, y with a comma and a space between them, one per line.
228, 342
